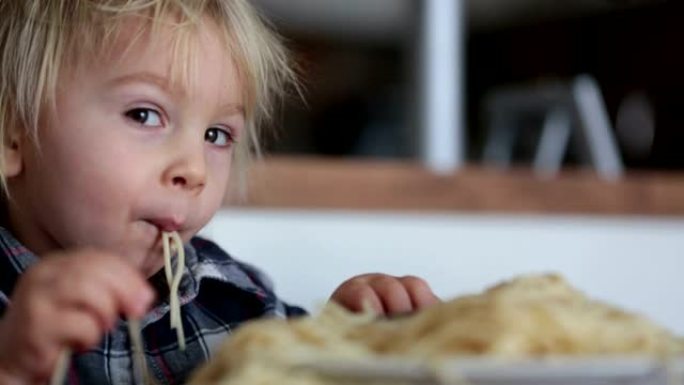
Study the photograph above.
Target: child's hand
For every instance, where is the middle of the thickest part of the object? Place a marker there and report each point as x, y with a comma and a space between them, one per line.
67, 300
385, 294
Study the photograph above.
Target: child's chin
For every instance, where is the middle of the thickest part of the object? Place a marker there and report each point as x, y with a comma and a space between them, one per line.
150, 267
147, 259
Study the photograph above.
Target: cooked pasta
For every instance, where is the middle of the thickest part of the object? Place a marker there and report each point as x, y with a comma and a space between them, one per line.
534, 316
61, 368
528, 317
139, 362
173, 280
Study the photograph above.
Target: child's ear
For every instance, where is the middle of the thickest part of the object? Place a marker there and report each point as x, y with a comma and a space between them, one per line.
12, 161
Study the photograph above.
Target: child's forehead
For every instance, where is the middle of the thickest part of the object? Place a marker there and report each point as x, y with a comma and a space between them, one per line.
176, 58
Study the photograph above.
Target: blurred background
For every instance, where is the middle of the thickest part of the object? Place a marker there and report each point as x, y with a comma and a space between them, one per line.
469, 141
363, 65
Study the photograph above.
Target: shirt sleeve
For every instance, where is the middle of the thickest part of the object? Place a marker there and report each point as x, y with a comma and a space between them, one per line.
4, 302
294, 311
263, 280
260, 281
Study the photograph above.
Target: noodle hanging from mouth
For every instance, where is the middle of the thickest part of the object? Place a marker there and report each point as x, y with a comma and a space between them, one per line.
173, 280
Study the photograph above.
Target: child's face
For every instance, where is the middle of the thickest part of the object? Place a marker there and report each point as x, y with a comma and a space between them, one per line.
128, 154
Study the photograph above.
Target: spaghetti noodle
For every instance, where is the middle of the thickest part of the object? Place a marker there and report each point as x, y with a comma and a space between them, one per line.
61, 368
139, 362
173, 280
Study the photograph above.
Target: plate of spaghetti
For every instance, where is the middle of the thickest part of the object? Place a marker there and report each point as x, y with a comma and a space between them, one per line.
529, 330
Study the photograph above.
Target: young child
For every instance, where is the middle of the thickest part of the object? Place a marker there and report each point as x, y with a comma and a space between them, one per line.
122, 119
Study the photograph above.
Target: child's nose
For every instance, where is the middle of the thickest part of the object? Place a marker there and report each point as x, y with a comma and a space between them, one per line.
188, 173
189, 181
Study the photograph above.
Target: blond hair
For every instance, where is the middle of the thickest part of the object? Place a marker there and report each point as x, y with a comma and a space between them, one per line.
38, 37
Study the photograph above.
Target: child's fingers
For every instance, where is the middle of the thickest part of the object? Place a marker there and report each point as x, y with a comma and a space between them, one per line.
419, 291
357, 296
103, 284
92, 297
37, 350
115, 279
68, 300
131, 291
77, 329
385, 294
395, 299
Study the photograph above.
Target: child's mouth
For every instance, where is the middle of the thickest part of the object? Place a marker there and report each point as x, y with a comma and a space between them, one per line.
166, 224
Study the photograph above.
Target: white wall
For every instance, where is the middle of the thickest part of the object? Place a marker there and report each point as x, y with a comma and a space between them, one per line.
633, 262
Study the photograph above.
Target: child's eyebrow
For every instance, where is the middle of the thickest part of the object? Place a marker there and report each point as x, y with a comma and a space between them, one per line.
233, 109
145, 77
164, 84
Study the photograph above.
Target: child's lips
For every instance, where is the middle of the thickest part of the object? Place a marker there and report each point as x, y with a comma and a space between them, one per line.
167, 224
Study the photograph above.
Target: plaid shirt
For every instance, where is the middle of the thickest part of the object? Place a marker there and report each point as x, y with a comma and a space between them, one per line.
217, 294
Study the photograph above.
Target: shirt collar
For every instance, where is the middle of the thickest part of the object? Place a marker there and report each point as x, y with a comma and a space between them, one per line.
15, 260
204, 260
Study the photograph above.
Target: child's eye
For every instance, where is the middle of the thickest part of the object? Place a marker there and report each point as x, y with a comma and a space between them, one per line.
218, 136
145, 116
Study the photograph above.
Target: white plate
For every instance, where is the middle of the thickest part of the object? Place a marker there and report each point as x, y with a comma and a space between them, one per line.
479, 371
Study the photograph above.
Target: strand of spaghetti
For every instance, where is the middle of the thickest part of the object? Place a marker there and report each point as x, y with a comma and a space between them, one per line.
167, 257
180, 260
61, 367
173, 280
139, 362
168, 270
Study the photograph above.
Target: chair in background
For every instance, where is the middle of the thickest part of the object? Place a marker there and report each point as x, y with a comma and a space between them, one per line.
575, 108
